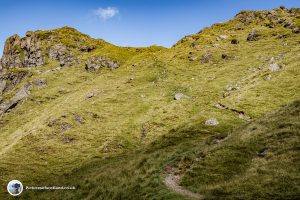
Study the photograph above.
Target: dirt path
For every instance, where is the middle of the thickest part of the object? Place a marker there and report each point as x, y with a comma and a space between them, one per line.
172, 181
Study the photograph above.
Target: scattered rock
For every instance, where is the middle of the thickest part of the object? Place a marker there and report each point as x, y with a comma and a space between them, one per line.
234, 41
216, 45
232, 87
85, 48
192, 58
253, 36
91, 94
268, 77
41, 83
65, 126
222, 37
179, 96
195, 45
263, 152
78, 118
67, 140
224, 56
56, 69
96, 63
206, 57
274, 67
211, 122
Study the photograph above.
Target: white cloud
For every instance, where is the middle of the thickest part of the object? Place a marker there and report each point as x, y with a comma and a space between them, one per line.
106, 13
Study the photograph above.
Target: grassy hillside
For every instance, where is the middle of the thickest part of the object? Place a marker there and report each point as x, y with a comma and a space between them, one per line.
120, 142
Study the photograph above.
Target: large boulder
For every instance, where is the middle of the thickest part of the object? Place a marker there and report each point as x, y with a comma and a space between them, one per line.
96, 63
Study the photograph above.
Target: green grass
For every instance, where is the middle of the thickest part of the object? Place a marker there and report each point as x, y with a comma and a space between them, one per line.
133, 128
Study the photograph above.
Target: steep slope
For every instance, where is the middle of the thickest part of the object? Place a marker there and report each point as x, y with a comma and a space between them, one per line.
259, 160
107, 114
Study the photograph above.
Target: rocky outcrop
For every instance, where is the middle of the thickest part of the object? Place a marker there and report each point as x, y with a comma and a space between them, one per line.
20, 95
60, 53
22, 52
96, 63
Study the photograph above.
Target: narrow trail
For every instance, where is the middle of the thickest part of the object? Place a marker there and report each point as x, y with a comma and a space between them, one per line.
171, 181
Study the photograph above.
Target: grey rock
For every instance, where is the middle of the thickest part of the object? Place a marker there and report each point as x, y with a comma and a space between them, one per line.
211, 122
195, 45
20, 95
96, 63
22, 52
274, 67
41, 83
216, 45
206, 57
253, 36
60, 53
179, 96
91, 94
222, 37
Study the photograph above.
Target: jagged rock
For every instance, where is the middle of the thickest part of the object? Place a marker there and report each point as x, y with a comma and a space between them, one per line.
274, 67
20, 95
60, 53
96, 63
179, 96
22, 52
211, 122
41, 83
253, 36
206, 57
12, 79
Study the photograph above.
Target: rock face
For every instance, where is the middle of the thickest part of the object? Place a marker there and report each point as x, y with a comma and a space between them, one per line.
20, 95
22, 52
96, 63
60, 53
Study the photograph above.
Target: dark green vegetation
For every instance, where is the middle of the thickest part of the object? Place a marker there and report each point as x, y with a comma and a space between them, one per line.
121, 141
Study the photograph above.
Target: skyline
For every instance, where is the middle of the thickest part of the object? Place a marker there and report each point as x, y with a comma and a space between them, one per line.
124, 23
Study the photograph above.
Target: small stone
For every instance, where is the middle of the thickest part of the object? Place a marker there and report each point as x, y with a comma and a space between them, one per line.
91, 94
253, 36
216, 45
179, 96
274, 67
268, 77
211, 122
41, 83
234, 41
263, 152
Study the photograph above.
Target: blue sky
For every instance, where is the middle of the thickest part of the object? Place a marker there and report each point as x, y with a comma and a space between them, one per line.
125, 22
